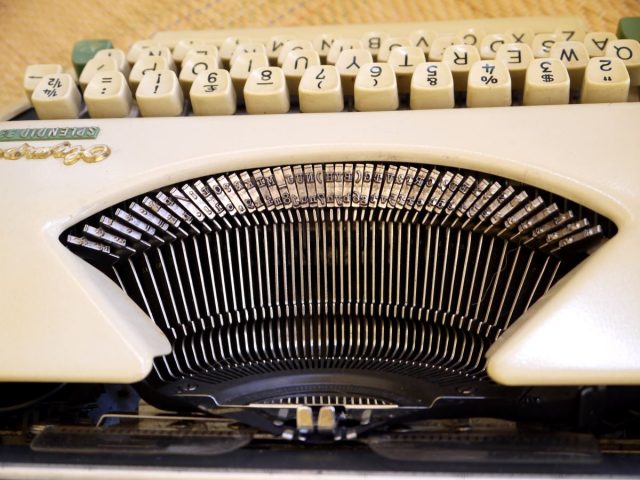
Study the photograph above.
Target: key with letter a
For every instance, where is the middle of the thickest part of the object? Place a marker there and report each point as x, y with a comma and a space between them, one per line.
489, 85
597, 42
629, 52
606, 80
432, 86
159, 95
56, 97
212, 93
546, 82
320, 90
266, 91
376, 88
108, 95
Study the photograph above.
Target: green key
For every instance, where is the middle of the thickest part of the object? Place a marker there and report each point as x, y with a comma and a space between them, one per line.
84, 50
629, 27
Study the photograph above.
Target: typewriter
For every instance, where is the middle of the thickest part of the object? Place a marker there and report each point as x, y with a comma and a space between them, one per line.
408, 248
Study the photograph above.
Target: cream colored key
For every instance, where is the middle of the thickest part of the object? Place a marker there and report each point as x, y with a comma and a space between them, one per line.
34, 73
432, 86
597, 42
136, 50
108, 95
376, 88
422, 39
546, 83
517, 57
489, 85
542, 44
388, 44
143, 66
185, 45
339, 45
209, 51
404, 61
439, 45
575, 57
159, 95
569, 34
266, 91
194, 65
242, 67
471, 36
162, 52
606, 80
212, 93
629, 52
229, 45
118, 55
96, 65
519, 35
322, 44
275, 44
349, 63
245, 48
372, 41
320, 90
291, 46
460, 58
295, 64
490, 44
56, 97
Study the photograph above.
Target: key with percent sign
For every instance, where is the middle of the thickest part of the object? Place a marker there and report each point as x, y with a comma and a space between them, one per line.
489, 84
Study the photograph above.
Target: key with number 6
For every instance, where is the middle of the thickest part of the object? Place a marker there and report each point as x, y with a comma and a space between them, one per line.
376, 88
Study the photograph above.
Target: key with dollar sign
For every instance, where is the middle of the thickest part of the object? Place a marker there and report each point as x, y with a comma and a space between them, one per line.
546, 83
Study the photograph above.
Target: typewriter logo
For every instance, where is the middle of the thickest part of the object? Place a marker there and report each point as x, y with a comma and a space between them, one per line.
70, 154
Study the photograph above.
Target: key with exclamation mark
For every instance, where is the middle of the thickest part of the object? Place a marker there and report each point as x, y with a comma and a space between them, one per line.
108, 95
160, 95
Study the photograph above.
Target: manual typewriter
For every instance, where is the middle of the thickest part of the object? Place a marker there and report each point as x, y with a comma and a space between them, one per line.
322, 250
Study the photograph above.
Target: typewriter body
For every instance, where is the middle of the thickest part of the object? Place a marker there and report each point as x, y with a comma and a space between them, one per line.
411, 290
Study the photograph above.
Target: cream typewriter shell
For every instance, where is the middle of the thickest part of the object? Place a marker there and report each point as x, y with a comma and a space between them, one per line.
64, 321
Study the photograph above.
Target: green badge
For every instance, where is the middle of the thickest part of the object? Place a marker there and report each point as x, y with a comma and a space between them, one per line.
629, 28
43, 134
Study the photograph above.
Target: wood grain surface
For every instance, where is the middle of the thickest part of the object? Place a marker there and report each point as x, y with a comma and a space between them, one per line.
44, 31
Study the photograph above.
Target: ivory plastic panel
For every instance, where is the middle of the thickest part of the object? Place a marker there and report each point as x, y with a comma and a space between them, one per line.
64, 321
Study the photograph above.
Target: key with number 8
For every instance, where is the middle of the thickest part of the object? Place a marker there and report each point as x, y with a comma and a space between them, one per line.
266, 91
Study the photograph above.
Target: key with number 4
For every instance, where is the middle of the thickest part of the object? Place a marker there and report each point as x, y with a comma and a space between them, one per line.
489, 85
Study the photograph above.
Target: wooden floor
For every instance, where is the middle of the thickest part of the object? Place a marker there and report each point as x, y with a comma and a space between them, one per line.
44, 31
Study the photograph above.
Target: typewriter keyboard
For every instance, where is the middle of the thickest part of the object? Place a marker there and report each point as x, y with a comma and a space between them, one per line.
482, 63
